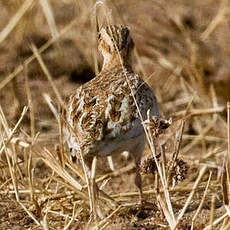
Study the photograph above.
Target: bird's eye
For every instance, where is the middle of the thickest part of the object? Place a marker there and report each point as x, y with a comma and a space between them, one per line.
71, 149
99, 36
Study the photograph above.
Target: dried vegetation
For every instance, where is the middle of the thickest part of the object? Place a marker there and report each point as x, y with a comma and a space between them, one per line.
48, 48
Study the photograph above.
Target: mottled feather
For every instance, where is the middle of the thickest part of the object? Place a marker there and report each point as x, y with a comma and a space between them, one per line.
102, 115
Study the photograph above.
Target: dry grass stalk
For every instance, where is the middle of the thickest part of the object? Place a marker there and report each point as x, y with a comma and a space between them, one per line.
93, 187
177, 149
44, 222
224, 181
20, 68
49, 17
51, 106
196, 112
182, 212
228, 161
212, 211
162, 204
221, 14
106, 219
4, 184
110, 161
227, 226
14, 181
64, 215
90, 195
227, 209
30, 175
202, 200
116, 173
149, 192
30, 103
15, 19
61, 139
94, 22
75, 169
214, 152
74, 215
17, 141
206, 138
51, 161
226, 222
4, 121
11, 133
59, 155
199, 137
47, 74
167, 209
214, 99
12, 170
217, 221
164, 162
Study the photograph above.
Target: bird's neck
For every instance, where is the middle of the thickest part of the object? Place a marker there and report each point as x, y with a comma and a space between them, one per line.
112, 61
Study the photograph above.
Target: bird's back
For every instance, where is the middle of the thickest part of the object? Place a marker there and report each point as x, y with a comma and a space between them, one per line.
103, 112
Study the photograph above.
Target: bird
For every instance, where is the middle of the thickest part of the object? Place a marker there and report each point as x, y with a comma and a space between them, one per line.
105, 115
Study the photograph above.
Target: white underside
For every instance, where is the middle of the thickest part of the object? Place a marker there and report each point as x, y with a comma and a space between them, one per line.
122, 143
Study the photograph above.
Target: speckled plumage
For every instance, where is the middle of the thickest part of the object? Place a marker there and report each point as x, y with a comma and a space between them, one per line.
102, 113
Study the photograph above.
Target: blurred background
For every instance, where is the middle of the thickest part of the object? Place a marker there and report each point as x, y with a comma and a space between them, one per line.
174, 40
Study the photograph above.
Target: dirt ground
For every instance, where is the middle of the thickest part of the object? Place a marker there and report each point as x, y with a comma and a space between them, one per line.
182, 51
